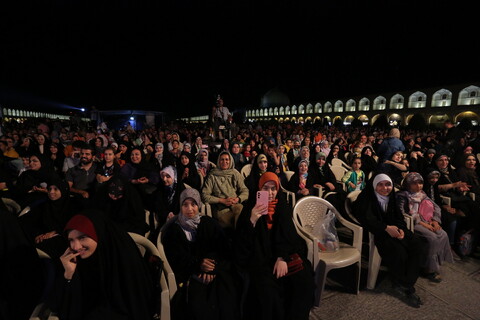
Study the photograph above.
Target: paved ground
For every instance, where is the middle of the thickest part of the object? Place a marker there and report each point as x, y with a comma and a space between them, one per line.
456, 297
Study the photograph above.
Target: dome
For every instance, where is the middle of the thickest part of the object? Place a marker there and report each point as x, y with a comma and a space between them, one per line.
275, 98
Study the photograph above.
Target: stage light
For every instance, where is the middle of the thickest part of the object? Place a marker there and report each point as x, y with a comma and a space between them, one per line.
82, 109
132, 118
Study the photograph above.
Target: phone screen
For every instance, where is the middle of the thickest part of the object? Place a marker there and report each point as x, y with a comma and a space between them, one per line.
262, 198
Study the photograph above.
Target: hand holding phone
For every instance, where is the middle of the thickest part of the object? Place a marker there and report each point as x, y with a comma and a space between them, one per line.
262, 198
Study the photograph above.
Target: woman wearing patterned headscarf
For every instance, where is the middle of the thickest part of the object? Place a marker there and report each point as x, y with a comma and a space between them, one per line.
428, 218
199, 255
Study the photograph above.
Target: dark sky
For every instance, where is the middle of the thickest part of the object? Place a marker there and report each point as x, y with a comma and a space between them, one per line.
176, 58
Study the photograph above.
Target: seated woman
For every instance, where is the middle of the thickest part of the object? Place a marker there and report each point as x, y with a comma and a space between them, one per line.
141, 174
31, 186
166, 197
355, 178
428, 218
57, 156
468, 171
394, 168
199, 254
400, 249
105, 276
44, 224
21, 274
369, 162
259, 167
336, 152
302, 181
122, 204
187, 171
450, 185
266, 242
161, 159
203, 164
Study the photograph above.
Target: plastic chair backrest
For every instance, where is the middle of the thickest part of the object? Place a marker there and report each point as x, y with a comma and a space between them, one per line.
339, 172
351, 197
246, 169
339, 162
172, 284
310, 211
146, 245
289, 174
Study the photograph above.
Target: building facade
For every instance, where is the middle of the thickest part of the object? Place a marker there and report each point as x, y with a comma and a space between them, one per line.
437, 105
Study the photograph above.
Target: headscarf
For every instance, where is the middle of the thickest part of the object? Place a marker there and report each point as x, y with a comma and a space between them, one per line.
261, 157
203, 164
83, 224
304, 176
55, 213
172, 172
189, 225
415, 199
382, 200
266, 177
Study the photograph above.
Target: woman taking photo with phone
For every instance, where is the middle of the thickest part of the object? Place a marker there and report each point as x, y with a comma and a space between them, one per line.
105, 276
273, 257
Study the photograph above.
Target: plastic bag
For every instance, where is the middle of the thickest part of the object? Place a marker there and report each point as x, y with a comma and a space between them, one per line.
326, 234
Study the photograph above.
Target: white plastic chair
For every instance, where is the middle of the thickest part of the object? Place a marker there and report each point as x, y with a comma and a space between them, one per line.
339, 162
339, 172
289, 174
172, 283
351, 197
246, 169
307, 213
146, 245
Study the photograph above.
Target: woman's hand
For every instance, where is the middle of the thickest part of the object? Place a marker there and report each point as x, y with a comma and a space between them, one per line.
257, 213
427, 225
280, 268
207, 265
69, 262
304, 191
330, 186
45, 236
206, 278
436, 226
393, 231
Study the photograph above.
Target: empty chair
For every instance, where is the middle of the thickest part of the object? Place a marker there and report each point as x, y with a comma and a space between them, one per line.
310, 211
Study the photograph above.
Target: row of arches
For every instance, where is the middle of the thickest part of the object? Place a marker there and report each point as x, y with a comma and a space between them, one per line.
393, 119
418, 100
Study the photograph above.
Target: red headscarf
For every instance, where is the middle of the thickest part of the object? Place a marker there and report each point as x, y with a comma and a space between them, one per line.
83, 224
266, 177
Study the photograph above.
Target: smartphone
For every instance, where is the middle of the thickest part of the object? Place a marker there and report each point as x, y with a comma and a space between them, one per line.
262, 198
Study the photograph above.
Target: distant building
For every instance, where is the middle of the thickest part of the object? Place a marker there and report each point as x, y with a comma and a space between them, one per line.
436, 104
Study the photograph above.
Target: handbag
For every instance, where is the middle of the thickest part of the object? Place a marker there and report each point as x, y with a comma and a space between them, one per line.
294, 264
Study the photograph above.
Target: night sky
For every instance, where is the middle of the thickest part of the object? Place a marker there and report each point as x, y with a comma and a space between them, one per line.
175, 58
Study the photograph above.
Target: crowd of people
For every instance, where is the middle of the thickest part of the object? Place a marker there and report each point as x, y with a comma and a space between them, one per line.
82, 189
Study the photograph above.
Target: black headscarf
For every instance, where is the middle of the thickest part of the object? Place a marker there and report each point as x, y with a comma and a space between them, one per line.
193, 179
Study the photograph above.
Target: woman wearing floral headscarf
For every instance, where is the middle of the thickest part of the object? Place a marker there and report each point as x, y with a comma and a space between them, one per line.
427, 217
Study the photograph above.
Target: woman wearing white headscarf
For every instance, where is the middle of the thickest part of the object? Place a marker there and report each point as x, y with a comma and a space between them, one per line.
400, 249
428, 217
